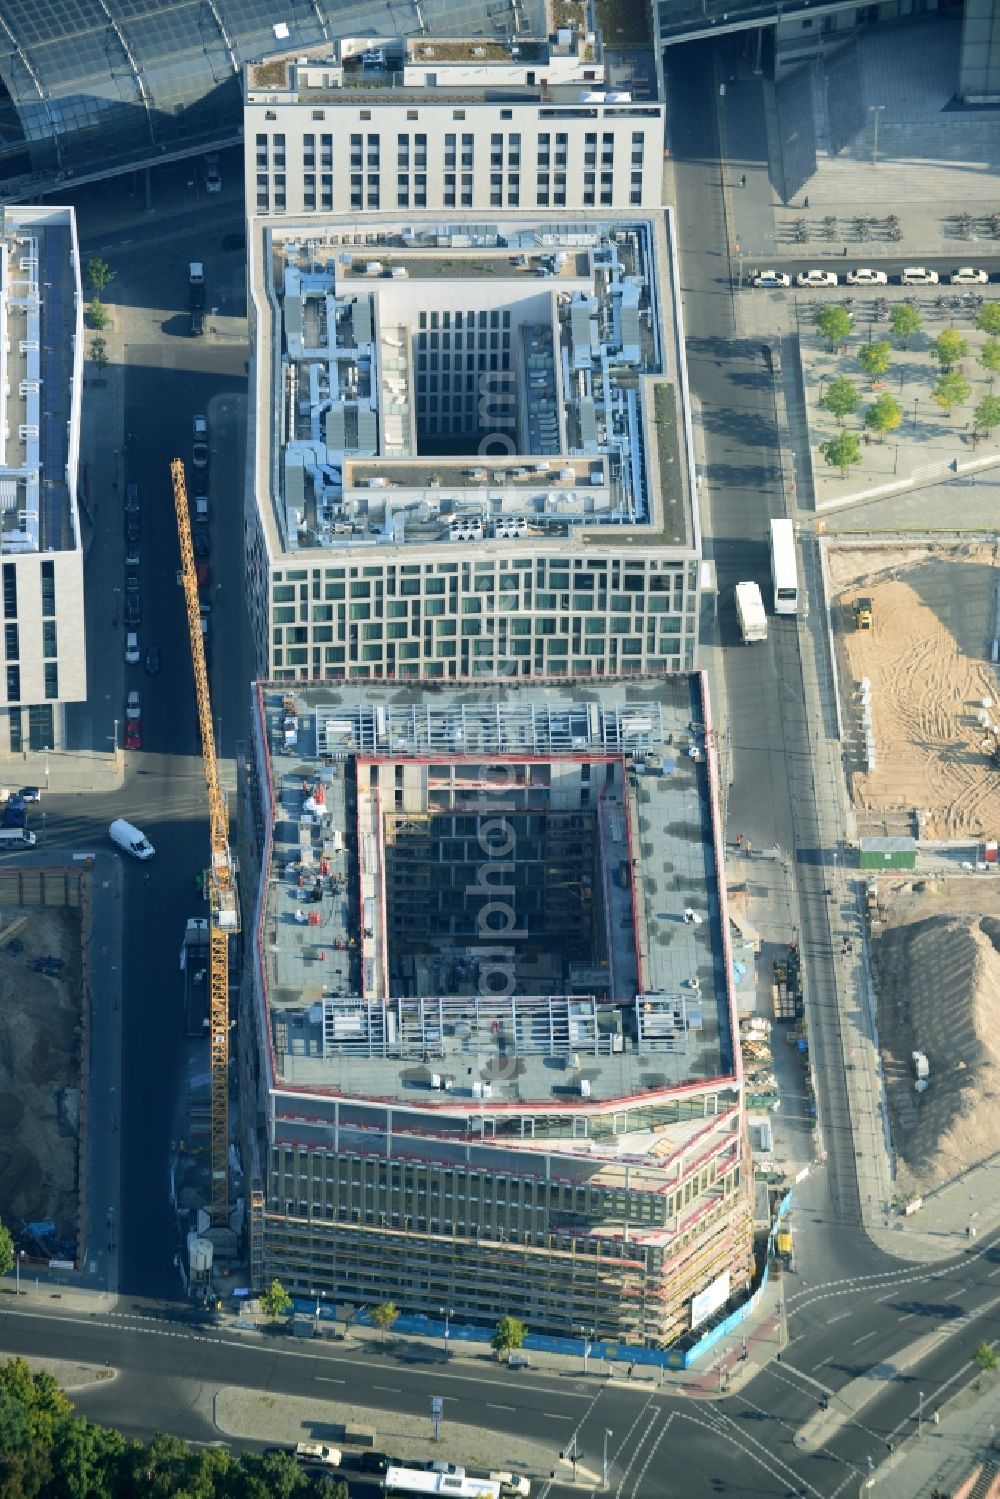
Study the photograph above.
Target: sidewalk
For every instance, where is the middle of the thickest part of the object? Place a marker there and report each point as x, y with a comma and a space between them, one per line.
944, 1455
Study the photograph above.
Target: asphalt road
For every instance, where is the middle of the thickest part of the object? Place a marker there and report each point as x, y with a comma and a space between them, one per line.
169, 1368
169, 378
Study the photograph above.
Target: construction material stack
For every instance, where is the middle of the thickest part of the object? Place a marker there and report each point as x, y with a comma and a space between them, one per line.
786, 991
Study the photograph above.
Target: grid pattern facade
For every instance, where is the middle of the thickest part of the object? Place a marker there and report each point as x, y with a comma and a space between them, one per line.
451, 359
621, 1258
533, 614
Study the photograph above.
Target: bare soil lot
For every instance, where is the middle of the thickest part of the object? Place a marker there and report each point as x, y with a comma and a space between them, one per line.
40, 1071
927, 658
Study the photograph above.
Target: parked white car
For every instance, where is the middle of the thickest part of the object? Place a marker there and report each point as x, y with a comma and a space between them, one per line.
131, 648
816, 278
918, 275
865, 276
772, 278
967, 275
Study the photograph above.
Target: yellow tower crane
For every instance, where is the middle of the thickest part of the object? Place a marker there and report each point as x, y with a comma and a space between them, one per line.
220, 878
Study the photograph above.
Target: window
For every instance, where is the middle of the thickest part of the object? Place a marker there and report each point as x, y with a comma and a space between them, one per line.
9, 591
308, 152
13, 684
48, 638
11, 643
16, 731
51, 680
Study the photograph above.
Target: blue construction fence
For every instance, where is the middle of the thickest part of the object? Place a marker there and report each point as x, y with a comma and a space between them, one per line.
624, 1353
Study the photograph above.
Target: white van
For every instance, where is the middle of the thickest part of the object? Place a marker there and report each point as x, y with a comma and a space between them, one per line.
15, 838
130, 839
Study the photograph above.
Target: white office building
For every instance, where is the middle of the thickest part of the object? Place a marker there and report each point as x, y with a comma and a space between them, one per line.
41, 558
468, 444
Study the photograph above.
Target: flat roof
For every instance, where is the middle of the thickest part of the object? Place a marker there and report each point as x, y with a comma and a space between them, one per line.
661, 1018
361, 317
41, 337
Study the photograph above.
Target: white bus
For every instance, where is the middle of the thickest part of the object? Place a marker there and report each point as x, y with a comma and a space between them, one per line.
456, 1485
784, 571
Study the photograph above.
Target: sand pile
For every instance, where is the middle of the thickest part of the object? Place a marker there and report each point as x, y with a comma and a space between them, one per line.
938, 986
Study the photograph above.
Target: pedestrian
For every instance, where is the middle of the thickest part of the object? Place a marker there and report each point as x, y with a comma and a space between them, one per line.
630, 1368
739, 840
844, 252
805, 203
743, 179
749, 847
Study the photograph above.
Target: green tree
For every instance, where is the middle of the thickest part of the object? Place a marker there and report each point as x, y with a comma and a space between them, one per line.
989, 355
84, 1456
842, 451
905, 321
97, 315
275, 1301
510, 1334
99, 352
43, 1404
6, 1250
384, 1315
834, 323
274, 1476
987, 414
841, 399
875, 359
99, 274
951, 391
949, 347
327, 1487
985, 1358
988, 320
884, 414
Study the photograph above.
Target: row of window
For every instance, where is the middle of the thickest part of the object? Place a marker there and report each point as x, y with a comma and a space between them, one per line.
458, 160
555, 571
47, 577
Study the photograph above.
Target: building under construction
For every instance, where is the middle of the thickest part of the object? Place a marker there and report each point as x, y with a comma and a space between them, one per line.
489, 1024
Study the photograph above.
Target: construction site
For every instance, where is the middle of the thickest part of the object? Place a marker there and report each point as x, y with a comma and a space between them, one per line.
935, 959
914, 633
490, 1034
41, 1045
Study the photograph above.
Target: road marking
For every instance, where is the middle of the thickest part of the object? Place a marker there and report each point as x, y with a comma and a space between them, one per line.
390, 1389
887, 1297
839, 1317
956, 1294
906, 1316
325, 1379
863, 1338
552, 1416
991, 1273
492, 1406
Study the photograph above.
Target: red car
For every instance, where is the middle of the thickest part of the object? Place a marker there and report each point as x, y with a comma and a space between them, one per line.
133, 734
204, 574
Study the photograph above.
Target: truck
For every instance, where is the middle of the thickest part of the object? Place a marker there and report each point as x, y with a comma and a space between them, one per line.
196, 293
194, 963
318, 1452
750, 613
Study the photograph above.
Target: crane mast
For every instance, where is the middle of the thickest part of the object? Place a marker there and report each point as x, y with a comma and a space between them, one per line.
220, 879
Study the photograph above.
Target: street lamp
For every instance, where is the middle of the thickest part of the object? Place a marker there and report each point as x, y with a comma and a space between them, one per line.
916, 403
876, 110
920, 1414
607, 1433
587, 1344
447, 1312
17, 1272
